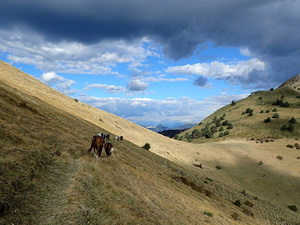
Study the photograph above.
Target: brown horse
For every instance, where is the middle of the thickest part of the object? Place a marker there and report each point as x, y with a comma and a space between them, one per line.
97, 145
108, 149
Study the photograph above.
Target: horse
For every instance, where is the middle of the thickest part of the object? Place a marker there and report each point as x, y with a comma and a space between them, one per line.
108, 149
97, 145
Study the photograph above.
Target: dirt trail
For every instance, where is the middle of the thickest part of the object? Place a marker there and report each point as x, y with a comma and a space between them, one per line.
57, 197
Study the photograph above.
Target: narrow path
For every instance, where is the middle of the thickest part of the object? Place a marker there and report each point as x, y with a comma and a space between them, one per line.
57, 192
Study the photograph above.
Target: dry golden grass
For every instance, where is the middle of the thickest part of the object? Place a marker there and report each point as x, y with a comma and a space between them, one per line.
47, 177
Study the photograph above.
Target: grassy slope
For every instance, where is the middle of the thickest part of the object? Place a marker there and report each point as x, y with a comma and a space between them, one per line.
47, 177
245, 126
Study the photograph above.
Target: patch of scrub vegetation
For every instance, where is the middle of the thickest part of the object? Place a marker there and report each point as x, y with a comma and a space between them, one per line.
246, 122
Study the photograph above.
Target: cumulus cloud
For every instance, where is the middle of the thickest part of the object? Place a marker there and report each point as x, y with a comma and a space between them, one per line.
108, 88
70, 57
137, 85
58, 82
233, 71
146, 111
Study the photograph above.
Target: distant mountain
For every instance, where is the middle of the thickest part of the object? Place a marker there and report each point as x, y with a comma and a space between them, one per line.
158, 128
184, 126
162, 127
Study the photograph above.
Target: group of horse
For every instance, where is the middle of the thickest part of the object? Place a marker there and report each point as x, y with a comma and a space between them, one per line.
98, 142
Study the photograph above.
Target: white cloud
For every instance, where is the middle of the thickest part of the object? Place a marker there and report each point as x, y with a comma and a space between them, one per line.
59, 83
162, 78
137, 85
146, 110
220, 70
72, 57
108, 88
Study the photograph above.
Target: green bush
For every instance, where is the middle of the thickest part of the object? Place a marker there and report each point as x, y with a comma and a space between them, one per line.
230, 126
290, 127
262, 111
268, 120
248, 110
147, 146
276, 116
293, 120
226, 132
225, 123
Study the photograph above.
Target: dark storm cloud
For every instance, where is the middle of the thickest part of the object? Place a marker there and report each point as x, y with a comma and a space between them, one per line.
200, 81
269, 28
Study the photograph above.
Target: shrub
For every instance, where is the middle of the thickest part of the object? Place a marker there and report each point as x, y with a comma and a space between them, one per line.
230, 126
267, 111
213, 129
284, 128
260, 98
274, 110
218, 167
276, 115
297, 146
250, 113
221, 129
221, 135
268, 120
225, 123
226, 132
290, 146
147, 146
209, 134
232, 103
210, 214
290, 127
262, 111
293, 208
237, 203
286, 105
293, 120
279, 157
248, 110
76, 100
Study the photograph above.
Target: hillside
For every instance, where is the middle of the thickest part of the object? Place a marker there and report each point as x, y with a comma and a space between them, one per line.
247, 118
47, 176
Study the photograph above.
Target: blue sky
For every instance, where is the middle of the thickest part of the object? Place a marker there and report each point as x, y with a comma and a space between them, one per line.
153, 62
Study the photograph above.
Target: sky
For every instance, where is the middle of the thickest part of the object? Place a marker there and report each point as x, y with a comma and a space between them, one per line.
151, 61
